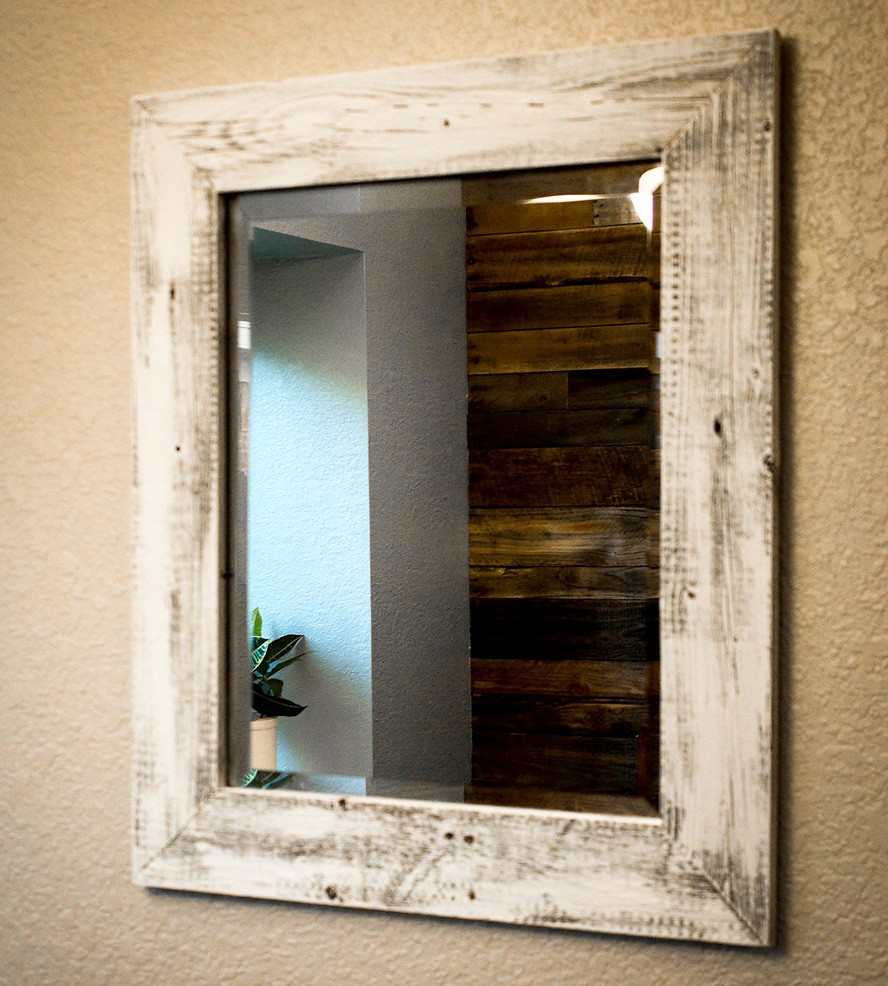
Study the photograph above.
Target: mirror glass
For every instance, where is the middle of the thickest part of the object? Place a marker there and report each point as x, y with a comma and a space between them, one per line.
444, 488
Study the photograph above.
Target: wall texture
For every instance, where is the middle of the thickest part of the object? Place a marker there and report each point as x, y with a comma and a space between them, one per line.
68, 913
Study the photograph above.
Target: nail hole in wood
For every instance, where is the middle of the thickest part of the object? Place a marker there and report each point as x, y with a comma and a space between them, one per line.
469, 839
717, 426
331, 892
471, 895
448, 835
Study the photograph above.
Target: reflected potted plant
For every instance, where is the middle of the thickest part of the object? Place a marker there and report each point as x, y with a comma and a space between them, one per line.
269, 657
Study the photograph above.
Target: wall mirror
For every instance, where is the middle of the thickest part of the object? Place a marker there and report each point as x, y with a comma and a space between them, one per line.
463, 425
447, 446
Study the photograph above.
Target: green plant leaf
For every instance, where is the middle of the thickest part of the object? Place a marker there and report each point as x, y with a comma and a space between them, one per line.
257, 623
284, 664
281, 646
267, 705
274, 686
258, 656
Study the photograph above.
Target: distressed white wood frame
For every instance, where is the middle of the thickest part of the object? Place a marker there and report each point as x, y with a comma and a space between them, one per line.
704, 870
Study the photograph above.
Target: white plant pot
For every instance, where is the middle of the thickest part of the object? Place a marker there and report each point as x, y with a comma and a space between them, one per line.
263, 744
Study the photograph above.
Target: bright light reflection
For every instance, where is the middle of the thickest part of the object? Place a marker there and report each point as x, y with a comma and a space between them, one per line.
643, 199
561, 198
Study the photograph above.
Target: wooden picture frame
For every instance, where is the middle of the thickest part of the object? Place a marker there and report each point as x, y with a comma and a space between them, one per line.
704, 869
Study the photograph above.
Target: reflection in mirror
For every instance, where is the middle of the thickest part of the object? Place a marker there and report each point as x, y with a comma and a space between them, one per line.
460, 592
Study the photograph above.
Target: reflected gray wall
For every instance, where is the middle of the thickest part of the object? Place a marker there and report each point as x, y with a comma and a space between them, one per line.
414, 261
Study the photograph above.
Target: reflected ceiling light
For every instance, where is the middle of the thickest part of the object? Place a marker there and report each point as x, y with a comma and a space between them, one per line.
643, 199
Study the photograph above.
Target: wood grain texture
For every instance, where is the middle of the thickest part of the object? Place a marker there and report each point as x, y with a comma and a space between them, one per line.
596, 804
582, 348
608, 476
566, 716
511, 187
567, 582
703, 872
555, 258
602, 629
511, 217
541, 429
518, 392
617, 303
601, 537
600, 389
591, 679
557, 763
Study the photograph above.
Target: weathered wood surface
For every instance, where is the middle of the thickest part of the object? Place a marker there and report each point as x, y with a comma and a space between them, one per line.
540, 429
568, 582
600, 389
545, 629
605, 476
518, 392
537, 797
560, 763
602, 537
510, 309
706, 872
509, 187
557, 258
582, 348
559, 715
592, 679
514, 217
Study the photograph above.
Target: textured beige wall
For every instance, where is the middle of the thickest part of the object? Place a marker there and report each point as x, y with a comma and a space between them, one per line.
68, 913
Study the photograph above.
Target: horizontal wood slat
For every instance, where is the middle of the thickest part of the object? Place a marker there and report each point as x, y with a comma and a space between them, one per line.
571, 348
600, 389
616, 303
551, 629
554, 258
555, 762
570, 582
591, 679
516, 217
560, 716
519, 392
514, 186
538, 797
539, 429
599, 536
605, 476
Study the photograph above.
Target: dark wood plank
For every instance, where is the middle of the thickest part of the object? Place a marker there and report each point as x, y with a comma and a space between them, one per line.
617, 303
606, 476
517, 217
518, 392
569, 582
552, 629
604, 389
561, 716
515, 186
590, 679
541, 429
554, 258
591, 536
574, 348
538, 797
565, 763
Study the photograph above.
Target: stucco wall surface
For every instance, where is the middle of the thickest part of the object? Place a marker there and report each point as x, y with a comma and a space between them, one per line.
68, 914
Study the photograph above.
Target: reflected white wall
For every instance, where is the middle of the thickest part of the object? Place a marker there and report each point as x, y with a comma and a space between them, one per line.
309, 546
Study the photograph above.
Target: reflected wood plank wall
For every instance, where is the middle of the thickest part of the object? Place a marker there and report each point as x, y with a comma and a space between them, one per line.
562, 313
